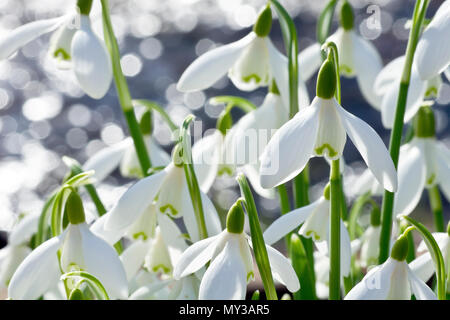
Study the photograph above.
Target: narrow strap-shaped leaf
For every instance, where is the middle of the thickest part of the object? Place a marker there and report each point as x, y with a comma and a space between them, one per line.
435, 252
325, 20
302, 269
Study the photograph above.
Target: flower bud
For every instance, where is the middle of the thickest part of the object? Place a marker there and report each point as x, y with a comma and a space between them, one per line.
347, 17
400, 248
74, 209
424, 124
375, 217
236, 218
326, 80
264, 22
84, 6
146, 123
225, 122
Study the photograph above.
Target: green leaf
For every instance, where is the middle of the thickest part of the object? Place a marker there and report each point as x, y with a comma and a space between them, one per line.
302, 269
42, 232
259, 246
324, 22
94, 283
436, 254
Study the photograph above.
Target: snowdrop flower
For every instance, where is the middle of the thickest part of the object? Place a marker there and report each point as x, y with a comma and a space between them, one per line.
370, 240
79, 249
250, 62
12, 255
357, 56
433, 50
231, 265
423, 265
168, 188
123, 154
73, 42
323, 128
424, 162
393, 280
387, 86
314, 220
357, 185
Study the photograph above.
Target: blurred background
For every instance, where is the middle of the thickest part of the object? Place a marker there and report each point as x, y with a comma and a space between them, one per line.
44, 115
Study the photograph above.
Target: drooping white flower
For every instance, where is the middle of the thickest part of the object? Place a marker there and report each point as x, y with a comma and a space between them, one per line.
315, 218
250, 63
393, 280
387, 86
169, 189
357, 57
79, 249
123, 154
231, 266
12, 255
370, 240
433, 50
74, 43
323, 128
423, 266
357, 185
423, 163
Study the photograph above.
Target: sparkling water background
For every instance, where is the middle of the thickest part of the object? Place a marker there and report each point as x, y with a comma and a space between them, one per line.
44, 115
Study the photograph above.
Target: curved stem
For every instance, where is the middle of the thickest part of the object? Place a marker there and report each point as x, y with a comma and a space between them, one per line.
436, 207
396, 134
154, 106
335, 232
123, 91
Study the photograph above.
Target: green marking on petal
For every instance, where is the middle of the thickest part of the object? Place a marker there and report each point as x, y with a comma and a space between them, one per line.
345, 69
161, 267
250, 276
331, 152
312, 233
431, 179
253, 76
169, 209
62, 54
431, 92
225, 170
140, 235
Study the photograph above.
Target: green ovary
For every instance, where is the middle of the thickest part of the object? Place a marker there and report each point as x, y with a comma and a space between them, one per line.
331, 152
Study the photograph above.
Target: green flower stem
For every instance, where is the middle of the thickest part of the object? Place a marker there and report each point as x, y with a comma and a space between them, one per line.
259, 247
191, 178
123, 91
396, 134
156, 107
436, 254
284, 199
335, 232
436, 207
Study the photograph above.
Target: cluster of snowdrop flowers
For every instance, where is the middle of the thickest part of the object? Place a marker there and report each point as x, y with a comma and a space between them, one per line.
163, 238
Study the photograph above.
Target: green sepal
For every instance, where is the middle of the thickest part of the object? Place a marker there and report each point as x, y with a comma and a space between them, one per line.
263, 23
74, 209
424, 123
236, 218
326, 80
326, 191
146, 123
400, 248
347, 17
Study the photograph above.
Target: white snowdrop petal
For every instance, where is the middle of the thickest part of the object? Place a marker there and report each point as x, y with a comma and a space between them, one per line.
251, 171
371, 148
206, 155
102, 261
288, 222
399, 284
309, 61
171, 193
346, 251
423, 266
388, 75
107, 159
227, 272
110, 236
367, 66
149, 291
10, 259
38, 272
420, 290
211, 66
24, 230
173, 238
212, 219
433, 49
443, 168
134, 201
286, 155
282, 267
91, 61
317, 225
19, 37
279, 71
133, 257
195, 257
411, 180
